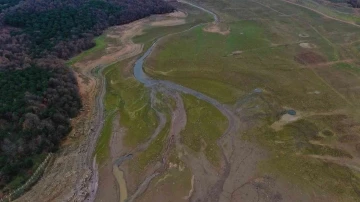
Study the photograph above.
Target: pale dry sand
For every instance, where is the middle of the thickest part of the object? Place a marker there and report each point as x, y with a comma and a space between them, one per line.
216, 28
307, 45
168, 23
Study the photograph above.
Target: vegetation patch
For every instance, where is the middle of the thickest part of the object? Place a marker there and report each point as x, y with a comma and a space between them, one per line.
327, 133
313, 174
153, 152
174, 184
307, 58
199, 67
102, 150
205, 125
293, 149
132, 100
200, 60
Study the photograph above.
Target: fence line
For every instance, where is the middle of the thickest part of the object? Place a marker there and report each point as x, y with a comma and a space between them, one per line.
34, 178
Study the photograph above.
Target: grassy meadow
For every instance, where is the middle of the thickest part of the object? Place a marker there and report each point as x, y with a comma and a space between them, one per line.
301, 60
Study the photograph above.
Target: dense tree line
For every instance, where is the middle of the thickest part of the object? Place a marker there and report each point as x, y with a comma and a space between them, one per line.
35, 107
39, 93
65, 28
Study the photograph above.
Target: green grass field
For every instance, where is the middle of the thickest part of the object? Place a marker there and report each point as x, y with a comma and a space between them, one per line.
339, 12
263, 50
210, 68
290, 148
102, 149
132, 100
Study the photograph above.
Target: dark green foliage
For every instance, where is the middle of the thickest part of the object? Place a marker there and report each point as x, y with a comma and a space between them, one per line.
14, 84
48, 28
77, 22
35, 108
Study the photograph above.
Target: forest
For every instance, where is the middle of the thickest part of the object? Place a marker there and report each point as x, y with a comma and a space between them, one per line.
39, 93
67, 28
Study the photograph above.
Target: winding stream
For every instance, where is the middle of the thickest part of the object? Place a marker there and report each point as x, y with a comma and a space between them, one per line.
149, 82
142, 77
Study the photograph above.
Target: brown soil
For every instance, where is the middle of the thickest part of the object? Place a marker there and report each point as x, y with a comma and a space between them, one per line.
357, 147
308, 58
108, 189
349, 138
173, 184
307, 45
285, 119
353, 163
303, 35
126, 48
178, 14
236, 53
173, 22
217, 28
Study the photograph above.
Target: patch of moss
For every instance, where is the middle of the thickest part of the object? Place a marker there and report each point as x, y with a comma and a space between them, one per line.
152, 153
102, 150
